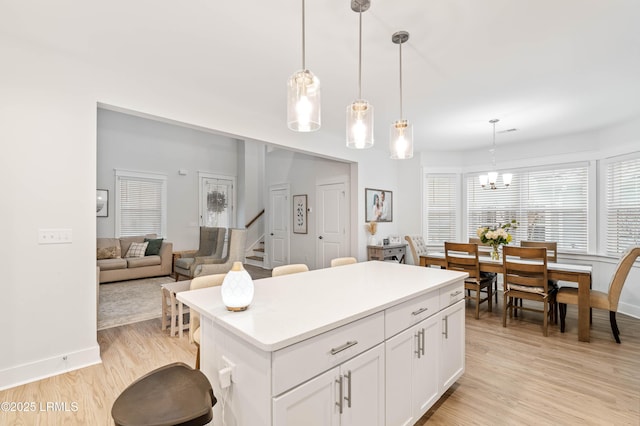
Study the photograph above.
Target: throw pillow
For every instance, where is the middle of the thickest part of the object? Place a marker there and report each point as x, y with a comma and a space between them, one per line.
137, 249
154, 246
107, 253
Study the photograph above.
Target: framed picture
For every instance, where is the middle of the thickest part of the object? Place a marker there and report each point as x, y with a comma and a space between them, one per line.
378, 205
300, 214
102, 203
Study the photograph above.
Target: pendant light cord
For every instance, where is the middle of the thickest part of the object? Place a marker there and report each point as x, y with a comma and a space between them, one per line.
360, 56
400, 44
303, 39
493, 150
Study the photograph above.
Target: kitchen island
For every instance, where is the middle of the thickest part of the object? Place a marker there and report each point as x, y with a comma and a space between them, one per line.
368, 343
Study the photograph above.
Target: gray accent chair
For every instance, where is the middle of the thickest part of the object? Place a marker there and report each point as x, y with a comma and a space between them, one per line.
211, 248
235, 253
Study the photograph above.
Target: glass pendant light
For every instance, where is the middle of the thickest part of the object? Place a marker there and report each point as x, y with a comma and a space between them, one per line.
360, 112
401, 136
303, 96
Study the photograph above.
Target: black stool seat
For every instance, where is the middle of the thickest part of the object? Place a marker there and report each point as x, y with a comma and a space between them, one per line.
171, 395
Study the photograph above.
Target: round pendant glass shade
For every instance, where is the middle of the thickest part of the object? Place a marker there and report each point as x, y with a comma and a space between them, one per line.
237, 288
401, 140
360, 125
303, 102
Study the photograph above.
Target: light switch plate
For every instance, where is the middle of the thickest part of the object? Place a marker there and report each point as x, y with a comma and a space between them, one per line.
55, 236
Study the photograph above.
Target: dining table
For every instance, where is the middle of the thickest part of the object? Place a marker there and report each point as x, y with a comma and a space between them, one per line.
580, 274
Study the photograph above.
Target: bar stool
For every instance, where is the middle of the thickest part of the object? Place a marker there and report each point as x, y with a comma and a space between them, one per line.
174, 394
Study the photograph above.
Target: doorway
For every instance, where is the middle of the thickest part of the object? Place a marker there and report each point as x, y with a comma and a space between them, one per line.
333, 230
277, 235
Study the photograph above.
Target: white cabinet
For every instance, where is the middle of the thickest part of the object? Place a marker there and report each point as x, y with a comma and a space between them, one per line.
412, 371
349, 395
452, 345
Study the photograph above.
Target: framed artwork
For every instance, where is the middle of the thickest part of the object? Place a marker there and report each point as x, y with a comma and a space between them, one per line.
300, 214
378, 205
102, 203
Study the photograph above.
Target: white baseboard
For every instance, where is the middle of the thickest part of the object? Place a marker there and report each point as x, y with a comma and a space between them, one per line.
41, 369
629, 309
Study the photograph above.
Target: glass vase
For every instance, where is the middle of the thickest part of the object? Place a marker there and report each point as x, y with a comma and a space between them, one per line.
495, 254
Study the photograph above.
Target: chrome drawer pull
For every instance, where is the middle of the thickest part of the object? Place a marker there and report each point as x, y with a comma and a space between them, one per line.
343, 347
417, 351
348, 398
419, 311
339, 403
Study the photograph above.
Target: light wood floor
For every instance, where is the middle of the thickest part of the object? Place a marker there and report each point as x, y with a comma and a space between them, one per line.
514, 375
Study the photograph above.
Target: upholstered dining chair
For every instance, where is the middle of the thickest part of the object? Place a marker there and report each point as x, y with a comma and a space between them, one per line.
464, 257
203, 281
211, 247
294, 268
417, 246
525, 277
235, 253
339, 261
601, 300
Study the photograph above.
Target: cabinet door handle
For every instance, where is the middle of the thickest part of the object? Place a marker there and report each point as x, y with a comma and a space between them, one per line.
339, 403
343, 347
417, 351
419, 311
446, 327
422, 342
348, 398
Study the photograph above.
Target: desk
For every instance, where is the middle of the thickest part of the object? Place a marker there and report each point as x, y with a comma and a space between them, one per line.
580, 274
389, 252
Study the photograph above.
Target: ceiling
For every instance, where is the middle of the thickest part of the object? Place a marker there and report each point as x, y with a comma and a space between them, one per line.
545, 67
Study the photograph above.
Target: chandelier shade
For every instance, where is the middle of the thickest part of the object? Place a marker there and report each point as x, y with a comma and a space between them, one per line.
303, 95
401, 134
360, 112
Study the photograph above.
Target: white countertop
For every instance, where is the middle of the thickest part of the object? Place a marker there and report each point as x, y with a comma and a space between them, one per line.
291, 308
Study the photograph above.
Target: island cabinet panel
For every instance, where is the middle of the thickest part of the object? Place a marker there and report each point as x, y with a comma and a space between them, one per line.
349, 395
296, 363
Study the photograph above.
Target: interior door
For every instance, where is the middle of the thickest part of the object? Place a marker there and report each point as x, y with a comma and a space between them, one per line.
332, 223
216, 201
277, 241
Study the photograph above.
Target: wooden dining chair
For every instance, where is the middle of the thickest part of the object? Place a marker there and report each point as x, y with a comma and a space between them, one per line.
464, 257
551, 246
525, 277
598, 299
294, 268
485, 250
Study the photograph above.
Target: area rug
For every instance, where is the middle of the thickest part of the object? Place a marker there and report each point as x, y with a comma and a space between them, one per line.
132, 301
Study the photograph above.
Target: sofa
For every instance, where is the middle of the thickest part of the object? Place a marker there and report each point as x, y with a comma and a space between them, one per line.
118, 263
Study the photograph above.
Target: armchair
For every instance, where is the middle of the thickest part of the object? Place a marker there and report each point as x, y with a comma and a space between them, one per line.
417, 246
235, 253
211, 247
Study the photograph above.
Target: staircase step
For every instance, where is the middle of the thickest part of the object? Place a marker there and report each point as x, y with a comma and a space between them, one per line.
258, 258
260, 249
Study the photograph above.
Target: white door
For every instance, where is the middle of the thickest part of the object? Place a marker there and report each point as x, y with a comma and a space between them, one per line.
332, 223
311, 404
277, 241
363, 384
217, 200
452, 319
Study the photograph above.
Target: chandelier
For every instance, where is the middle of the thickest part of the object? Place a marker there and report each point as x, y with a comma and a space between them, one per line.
491, 177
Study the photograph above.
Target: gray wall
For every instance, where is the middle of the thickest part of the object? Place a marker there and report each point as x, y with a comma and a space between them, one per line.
140, 144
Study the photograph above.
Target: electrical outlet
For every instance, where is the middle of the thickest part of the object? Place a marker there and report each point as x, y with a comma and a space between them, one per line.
55, 236
226, 363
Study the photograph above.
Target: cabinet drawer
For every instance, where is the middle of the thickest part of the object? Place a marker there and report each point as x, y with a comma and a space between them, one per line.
393, 252
299, 362
451, 294
406, 314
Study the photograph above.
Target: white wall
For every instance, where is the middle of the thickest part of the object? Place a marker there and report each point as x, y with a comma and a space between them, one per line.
143, 145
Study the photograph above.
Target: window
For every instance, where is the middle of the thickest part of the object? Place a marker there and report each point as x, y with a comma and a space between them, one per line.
441, 196
550, 204
623, 204
141, 203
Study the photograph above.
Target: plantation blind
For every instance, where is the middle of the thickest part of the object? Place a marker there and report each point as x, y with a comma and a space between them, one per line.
623, 205
140, 204
549, 204
441, 196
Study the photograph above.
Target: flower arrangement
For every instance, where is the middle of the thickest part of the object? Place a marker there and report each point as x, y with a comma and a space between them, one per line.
372, 228
495, 236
